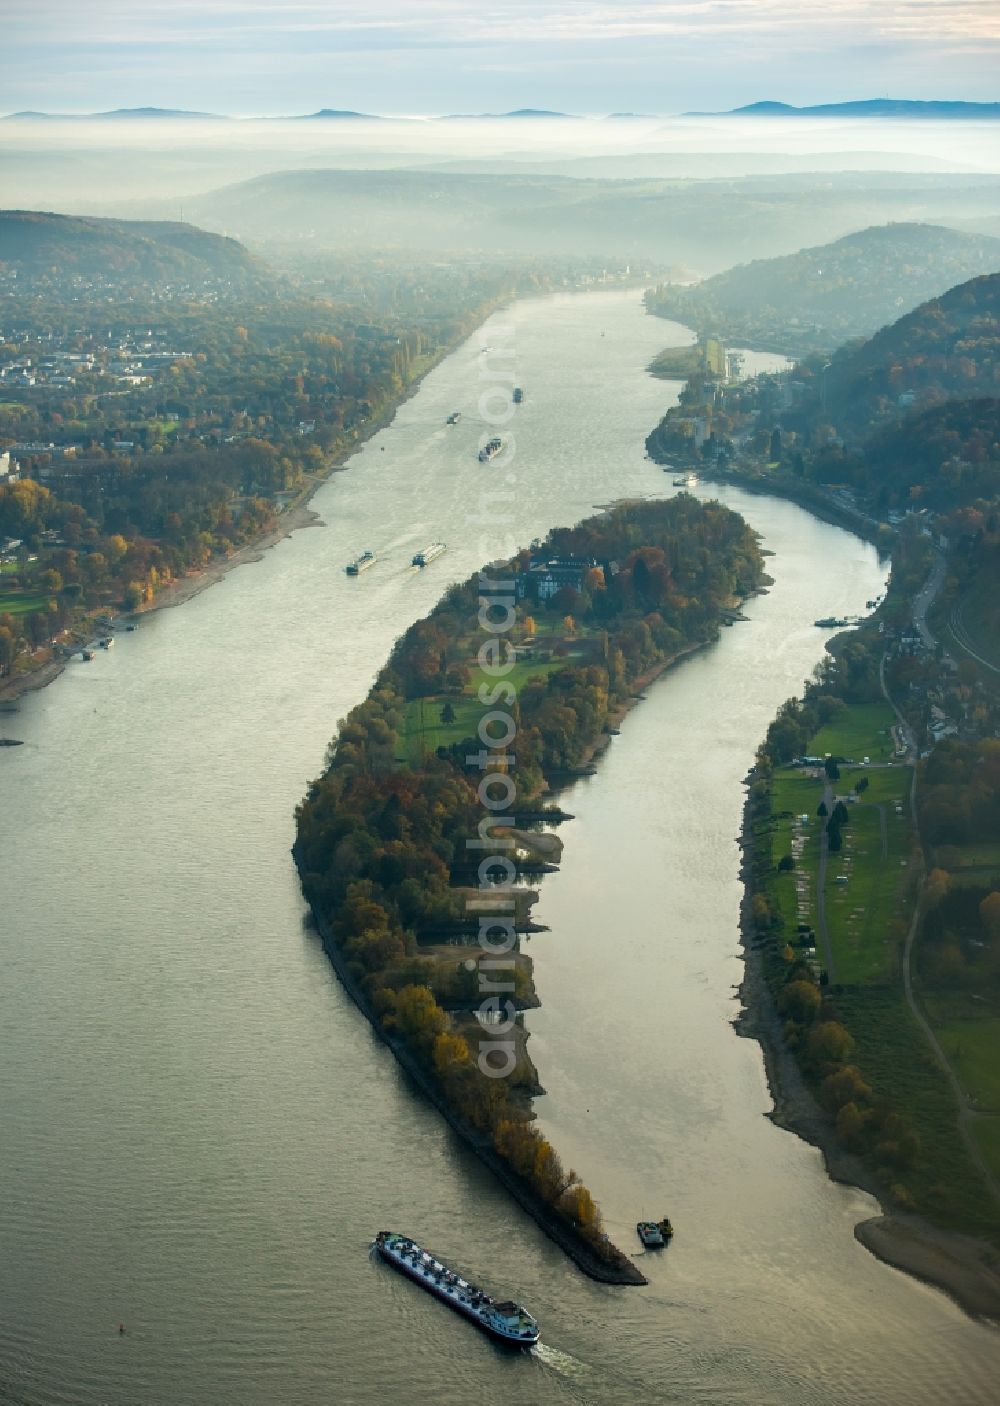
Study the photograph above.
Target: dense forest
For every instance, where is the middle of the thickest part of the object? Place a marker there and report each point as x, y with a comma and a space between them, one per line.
391, 838
947, 347
819, 298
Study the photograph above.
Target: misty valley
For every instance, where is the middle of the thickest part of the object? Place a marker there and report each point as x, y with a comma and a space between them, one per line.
567, 833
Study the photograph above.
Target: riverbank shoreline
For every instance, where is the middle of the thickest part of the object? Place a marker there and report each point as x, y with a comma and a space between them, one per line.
966, 1270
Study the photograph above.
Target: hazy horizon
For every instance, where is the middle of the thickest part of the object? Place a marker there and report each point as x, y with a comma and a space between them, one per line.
663, 56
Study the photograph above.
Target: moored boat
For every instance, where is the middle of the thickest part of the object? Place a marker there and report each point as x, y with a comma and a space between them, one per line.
454, 417
504, 1320
361, 563
650, 1234
427, 555
518, 395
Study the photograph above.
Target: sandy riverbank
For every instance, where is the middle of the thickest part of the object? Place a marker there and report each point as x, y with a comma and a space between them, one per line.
967, 1270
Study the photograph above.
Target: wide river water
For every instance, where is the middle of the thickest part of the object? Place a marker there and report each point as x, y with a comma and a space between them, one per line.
199, 1134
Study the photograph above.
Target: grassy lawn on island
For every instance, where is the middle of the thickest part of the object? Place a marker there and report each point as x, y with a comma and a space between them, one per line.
425, 732
520, 674
893, 1053
859, 730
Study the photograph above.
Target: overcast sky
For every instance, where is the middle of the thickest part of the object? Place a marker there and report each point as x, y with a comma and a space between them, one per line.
432, 56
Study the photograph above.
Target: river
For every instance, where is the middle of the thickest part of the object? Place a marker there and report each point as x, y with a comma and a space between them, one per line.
198, 1132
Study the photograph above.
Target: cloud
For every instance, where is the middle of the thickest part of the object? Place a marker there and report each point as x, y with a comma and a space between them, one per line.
384, 22
204, 52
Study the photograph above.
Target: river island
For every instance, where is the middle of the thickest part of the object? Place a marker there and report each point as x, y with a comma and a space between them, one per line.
438, 804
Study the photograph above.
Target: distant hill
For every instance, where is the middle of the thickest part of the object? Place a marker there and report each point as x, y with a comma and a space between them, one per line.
117, 114
706, 225
948, 347
869, 107
819, 298
500, 116
327, 114
37, 244
154, 112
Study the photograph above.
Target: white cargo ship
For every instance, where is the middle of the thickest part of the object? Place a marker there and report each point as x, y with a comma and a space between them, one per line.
506, 1321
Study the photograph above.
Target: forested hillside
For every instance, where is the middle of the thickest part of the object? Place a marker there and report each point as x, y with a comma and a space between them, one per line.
706, 225
949, 346
37, 245
819, 298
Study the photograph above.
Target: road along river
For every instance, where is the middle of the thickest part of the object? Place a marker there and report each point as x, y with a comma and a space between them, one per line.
200, 1134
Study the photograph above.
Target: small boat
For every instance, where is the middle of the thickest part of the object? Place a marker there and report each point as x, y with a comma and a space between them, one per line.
429, 553
361, 563
650, 1234
665, 1228
87, 654
131, 628
490, 449
107, 641
454, 417
688, 481
518, 395
505, 1321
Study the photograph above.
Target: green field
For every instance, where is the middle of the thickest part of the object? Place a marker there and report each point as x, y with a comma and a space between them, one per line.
425, 731
22, 602
796, 794
897, 1061
860, 730
980, 856
864, 916
164, 425
861, 913
986, 1131
969, 1031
